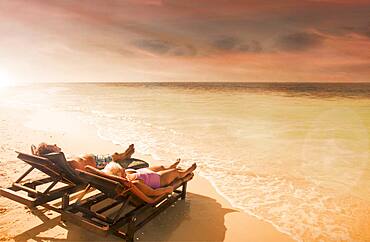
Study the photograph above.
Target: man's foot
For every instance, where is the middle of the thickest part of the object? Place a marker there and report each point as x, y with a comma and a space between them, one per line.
174, 165
129, 151
125, 155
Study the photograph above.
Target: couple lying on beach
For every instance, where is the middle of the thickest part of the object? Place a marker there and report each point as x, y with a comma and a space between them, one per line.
153, 181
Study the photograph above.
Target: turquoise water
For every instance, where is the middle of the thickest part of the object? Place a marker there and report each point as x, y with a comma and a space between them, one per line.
296, 155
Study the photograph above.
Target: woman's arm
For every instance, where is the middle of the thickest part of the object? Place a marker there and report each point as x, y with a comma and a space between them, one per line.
147, 190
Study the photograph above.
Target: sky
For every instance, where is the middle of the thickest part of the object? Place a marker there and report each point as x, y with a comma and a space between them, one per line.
184, 40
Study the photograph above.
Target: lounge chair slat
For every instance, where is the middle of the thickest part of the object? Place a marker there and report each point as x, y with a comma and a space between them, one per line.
110, 206
89, 201
39, 182
15, 196
85, 223
90, 213
25, 188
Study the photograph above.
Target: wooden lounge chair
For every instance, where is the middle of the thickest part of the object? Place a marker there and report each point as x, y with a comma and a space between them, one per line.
59, 180
128, 210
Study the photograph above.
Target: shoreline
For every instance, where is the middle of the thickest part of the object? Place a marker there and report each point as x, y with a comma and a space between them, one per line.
230, 203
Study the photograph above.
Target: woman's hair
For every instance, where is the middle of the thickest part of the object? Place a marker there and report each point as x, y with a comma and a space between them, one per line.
113, 168
44, 149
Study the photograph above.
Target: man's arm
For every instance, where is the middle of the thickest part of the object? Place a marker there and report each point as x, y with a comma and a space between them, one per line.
75, 164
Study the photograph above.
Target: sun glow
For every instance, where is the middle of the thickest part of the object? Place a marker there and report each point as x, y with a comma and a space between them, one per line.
5, 79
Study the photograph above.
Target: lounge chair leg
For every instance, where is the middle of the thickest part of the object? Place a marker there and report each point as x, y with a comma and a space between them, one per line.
32, 195
129, 238
85, 191
51, 186
123, 206
24, 174
131, 230
183, 193
65, 201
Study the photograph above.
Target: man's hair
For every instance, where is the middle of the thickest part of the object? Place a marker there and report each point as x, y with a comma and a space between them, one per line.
43, 149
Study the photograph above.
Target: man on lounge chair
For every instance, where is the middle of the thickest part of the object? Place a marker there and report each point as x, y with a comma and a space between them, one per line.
97, 161
153, 181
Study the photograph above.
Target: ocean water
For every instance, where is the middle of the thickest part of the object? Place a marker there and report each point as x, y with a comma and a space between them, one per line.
296, 155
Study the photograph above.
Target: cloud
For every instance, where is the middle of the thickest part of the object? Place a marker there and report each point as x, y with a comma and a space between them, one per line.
363, 29
253, 46
366, 31
155, 46
173, 48
164, 47
358, 68
226, 43
298, 41
186, 50
231, 43
127, 32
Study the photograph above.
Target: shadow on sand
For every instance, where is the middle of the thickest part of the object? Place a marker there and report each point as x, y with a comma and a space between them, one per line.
46, 225
198, 218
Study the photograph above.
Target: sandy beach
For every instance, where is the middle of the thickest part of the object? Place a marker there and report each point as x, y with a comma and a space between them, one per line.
204, 216
270, 99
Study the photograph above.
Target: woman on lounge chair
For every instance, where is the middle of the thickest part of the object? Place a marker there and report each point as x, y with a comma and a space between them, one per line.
153, 181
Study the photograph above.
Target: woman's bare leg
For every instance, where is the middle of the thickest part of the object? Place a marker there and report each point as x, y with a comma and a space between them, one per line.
168, 176
178, 182
162, 168
157, 168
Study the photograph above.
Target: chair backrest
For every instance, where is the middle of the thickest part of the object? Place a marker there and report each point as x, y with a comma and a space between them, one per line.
42, 164
59, 160
105, 183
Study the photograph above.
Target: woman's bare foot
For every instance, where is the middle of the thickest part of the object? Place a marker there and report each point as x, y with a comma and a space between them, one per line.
188, 171
191, 168
174, 165
188, 177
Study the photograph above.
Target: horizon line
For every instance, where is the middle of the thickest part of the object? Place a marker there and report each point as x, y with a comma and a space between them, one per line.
199, 82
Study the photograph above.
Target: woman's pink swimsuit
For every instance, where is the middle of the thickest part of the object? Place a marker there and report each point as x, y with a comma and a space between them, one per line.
149, 177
